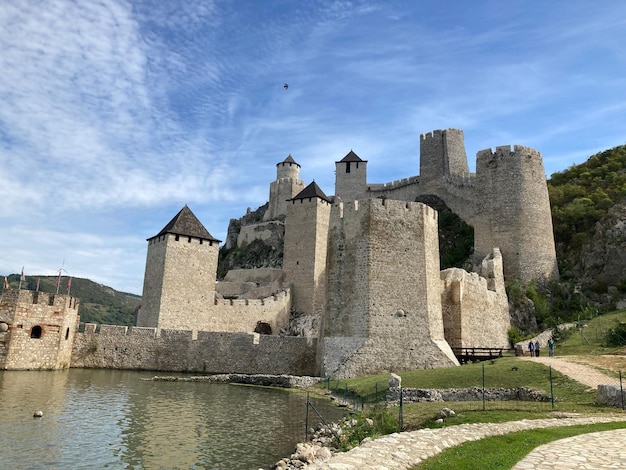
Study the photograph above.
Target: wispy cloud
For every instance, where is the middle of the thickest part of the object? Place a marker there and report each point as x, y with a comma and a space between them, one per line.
116, 113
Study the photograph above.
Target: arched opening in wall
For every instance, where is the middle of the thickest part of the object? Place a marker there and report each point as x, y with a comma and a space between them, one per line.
456, 238
263, 328
36, 332
67, 333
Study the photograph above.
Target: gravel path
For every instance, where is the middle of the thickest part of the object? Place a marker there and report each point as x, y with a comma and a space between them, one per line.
586, 375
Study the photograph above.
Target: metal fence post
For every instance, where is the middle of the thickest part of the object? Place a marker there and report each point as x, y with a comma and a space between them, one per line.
551, 387
483, 364
621, 389
306, 420
400, 417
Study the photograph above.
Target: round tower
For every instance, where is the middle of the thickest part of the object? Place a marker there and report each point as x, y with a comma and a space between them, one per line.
286, 186
514, 212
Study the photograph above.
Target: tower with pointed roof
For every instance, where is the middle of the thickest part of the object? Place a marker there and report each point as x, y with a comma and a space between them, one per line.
304, 259
286, 186
179, 282
350, 177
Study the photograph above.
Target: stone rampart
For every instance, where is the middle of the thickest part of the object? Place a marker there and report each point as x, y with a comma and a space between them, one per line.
185, 351
378, 318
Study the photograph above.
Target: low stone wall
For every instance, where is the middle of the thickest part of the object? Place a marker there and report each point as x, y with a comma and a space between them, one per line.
414, 395
611, 395
264, 380
115, 347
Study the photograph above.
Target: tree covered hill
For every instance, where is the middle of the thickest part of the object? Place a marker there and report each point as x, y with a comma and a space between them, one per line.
588, 213
98, 303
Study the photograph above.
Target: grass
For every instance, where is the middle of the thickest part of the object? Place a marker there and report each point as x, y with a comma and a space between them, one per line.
590, 338
586, 345
503, 452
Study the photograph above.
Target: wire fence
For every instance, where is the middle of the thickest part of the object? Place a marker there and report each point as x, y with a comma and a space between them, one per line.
513, 385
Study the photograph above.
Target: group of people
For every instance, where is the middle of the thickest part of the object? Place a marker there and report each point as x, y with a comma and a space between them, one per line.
535, 348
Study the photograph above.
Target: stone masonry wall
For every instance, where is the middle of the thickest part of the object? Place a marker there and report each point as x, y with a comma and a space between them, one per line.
26, 311
513, 200
475, 308
185, 267
390, 317
304, 259
120, 347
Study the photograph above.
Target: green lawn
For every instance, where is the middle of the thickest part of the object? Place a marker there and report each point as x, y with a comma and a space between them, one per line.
503, 452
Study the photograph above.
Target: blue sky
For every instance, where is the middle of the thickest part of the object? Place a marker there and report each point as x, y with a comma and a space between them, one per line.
114, 114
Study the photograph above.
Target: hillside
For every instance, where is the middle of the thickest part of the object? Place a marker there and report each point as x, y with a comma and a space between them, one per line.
589, 213
98, 303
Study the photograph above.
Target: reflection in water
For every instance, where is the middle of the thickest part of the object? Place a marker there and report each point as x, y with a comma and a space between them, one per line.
113, 419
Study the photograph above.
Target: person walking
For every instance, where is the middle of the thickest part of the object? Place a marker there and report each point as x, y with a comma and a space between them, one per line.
531, 348
551, 347
537, 348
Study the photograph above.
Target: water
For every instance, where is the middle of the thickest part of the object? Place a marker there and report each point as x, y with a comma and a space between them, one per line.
113, 419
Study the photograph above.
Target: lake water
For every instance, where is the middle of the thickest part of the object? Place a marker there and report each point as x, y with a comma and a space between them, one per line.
113, 419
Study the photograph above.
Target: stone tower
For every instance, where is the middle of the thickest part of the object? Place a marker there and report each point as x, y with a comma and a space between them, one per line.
304, 259
350, 177
179, 281
383, 308
512, 198
286, 186
442, 153
37, 330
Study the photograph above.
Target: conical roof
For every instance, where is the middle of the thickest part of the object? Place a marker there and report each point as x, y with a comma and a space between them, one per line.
187, 224
289, 159
312, 190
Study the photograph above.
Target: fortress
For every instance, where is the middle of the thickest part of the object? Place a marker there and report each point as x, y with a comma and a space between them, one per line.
362, 265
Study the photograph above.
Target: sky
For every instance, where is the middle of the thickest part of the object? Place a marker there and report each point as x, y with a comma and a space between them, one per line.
114, 114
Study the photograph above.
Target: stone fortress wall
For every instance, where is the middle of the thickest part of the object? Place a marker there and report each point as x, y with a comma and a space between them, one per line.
37, 329
366, 262
136, 348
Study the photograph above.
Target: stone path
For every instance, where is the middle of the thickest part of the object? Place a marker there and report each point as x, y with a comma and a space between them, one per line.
406, 449
601, 450
598, 450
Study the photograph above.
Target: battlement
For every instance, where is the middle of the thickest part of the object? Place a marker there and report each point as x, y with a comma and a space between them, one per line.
393, 184
389, 206
24, 298
505, 151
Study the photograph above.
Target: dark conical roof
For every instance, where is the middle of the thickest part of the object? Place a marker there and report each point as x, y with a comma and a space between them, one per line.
312, 190
289, 159
351, 157
187, 224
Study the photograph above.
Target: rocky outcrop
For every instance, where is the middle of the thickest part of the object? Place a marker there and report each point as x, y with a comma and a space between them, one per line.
603, 259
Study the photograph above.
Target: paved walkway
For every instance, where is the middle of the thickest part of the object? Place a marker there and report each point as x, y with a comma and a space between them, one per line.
597, 451
407, 449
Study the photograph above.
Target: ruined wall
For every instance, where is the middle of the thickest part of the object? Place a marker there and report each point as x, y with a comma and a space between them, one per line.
41, 329
379, 318
119, 347
475, 306
272, 230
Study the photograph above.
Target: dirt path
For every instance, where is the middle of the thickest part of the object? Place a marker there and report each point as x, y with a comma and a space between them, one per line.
584, 374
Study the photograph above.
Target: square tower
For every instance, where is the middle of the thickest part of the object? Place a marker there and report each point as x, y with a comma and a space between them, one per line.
179, 282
